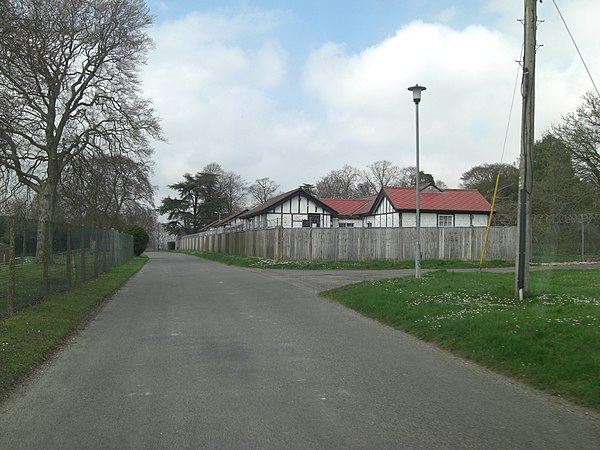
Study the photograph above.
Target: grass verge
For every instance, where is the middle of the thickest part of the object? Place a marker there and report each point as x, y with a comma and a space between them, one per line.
30, 336
550, 341
262, 263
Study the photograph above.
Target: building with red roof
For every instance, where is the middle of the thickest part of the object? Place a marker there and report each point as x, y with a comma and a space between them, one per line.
439, 208
349, 213
396, 207
391, 207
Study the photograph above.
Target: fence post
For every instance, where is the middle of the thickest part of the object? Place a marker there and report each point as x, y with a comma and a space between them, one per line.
45, 258
111, 248
362, 246
95, 250
10, 301
472, 243
69, 256
82, 245
582, 239
279, 255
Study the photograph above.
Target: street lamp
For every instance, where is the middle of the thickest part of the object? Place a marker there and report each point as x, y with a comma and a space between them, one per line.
416, 91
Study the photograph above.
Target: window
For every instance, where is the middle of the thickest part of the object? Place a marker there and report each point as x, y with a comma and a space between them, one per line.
445, 220
346, 225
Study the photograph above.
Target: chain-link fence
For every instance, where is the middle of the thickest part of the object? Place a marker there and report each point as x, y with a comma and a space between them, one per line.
30, 270
574, 237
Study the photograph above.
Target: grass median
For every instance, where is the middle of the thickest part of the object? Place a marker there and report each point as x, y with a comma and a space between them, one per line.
551, 340
30, 336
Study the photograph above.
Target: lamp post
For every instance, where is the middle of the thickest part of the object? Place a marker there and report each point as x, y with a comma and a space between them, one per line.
416, 91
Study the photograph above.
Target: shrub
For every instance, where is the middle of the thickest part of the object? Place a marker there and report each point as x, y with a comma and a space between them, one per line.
140, 238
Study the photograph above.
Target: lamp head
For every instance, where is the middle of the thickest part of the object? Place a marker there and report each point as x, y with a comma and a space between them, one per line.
416, 91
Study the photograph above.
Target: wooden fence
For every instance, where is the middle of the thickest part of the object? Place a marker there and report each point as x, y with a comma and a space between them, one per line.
357, 244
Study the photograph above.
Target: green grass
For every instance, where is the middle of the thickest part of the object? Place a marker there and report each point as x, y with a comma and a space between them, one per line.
551, 340
563, 258
262, 263
28, 337
28, 280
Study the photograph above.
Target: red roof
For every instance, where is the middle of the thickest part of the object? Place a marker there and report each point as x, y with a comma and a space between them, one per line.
348, 207
458, 200
366, 208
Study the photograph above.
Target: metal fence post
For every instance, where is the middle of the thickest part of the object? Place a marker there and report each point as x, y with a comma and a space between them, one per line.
96, 249
69, 263
46, 258
582, 239
82, 253
10, 301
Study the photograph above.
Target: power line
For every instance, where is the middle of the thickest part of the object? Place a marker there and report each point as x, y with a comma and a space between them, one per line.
576, 47
512, 104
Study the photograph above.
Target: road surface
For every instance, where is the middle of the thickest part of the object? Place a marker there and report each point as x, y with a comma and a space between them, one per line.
194, 354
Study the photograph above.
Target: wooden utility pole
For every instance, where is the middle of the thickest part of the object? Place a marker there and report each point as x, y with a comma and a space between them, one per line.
526, 159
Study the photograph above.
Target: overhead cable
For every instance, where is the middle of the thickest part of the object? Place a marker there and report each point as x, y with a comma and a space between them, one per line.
576, 47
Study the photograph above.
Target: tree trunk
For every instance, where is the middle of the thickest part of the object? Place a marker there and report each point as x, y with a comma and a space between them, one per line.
46, 214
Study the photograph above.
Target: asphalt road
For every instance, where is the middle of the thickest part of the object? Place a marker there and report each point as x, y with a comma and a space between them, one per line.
193, 354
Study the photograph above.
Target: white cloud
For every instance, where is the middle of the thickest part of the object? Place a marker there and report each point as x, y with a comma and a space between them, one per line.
468, 74
212, 92
447, 15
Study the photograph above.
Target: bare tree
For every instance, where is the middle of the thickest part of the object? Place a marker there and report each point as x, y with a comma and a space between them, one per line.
340, 183
234, 191
263, 189
381, 174
580, 132
408, 178
69, 83
106, 191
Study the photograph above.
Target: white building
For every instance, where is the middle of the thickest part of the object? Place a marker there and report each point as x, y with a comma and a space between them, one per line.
294, 209
392, 207
396, 207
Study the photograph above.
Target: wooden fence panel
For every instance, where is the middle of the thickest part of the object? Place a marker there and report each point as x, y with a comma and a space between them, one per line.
358, 244
295, 244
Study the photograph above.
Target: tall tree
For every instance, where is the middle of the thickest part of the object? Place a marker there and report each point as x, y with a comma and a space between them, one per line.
483, 179
106, 191
340, 183
580, 132
234, 190
213, 202
558, 189
229, 189
407, 178
69, 83
198, 203
381, 174
263, 189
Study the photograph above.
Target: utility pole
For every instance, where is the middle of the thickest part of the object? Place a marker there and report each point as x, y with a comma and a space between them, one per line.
526, 159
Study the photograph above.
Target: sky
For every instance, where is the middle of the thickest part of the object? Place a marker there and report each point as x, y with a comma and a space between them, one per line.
294, 89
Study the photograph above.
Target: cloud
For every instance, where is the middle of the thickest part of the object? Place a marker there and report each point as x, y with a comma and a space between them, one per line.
468, 74
212, 92
447, 15
228, 93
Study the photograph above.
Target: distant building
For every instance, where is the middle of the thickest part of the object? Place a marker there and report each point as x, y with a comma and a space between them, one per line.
391, 207
396, 207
